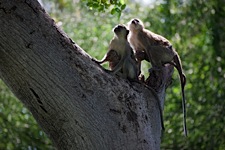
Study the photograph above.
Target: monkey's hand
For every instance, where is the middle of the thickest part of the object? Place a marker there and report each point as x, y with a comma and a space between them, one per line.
99, 62
141, 55
96, 61
106, 70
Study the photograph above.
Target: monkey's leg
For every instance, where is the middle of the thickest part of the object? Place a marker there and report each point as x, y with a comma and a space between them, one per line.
160, 55
155, 68
139, 67
140, 55
99, 62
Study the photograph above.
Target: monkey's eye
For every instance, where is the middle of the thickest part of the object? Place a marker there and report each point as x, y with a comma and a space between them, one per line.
135, 21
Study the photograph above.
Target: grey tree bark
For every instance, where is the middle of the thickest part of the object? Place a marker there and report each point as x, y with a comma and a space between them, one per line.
77, 104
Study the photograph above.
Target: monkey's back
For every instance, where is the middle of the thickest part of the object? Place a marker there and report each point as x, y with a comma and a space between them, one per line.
154, 39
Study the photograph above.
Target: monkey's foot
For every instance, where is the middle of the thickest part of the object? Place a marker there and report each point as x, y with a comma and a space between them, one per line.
141, 78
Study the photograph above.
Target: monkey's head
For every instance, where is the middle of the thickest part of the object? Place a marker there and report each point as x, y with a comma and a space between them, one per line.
121, 31
135, 25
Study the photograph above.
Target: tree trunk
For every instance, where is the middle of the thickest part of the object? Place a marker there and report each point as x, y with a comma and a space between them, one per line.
77, 104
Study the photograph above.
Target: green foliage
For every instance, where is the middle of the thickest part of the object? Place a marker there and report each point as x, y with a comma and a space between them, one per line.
116, 6
205, 77
196, 29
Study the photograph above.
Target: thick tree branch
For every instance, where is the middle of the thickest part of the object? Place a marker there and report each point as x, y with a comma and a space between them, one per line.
75, 102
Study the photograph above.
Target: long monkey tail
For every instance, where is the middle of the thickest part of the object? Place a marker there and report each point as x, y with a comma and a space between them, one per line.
177, 65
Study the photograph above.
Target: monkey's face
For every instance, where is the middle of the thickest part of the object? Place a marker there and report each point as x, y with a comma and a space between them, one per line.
135, 25
121, 31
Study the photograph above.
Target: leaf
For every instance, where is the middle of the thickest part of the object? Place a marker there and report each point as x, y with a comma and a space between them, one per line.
123, 7
113, 11
89, 4
118, 10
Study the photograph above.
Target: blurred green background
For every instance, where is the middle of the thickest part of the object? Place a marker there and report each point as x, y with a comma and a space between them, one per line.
194, 27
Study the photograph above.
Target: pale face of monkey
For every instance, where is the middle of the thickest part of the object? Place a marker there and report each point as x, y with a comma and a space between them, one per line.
135, 25
121, 31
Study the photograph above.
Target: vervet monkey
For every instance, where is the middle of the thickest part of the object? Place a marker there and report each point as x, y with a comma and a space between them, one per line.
120, 55
122, 60
159, 51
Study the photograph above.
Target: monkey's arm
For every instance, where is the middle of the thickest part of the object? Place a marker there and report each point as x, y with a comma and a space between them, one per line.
110, 56
124, 53
118, 67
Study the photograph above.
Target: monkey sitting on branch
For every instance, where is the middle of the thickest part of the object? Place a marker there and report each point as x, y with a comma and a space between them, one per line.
120, 55
122, 60
158, 51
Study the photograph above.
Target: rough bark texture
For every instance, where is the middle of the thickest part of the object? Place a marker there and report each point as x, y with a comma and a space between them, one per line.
77, 104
